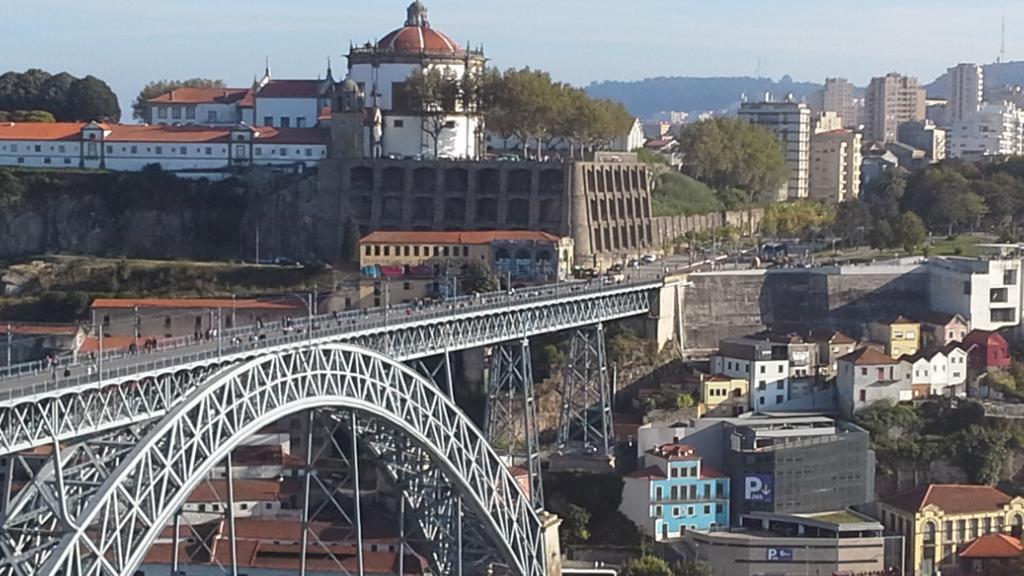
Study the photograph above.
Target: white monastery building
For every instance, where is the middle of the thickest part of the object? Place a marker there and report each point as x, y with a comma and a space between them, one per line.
281, 124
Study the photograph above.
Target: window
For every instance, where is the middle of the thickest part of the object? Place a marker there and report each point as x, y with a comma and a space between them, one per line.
863, 396
209, 151
399, 123
284, 152
268, 120
211, 116
176, 113
405, 251
184, 151
67, 160
387, 250
309, 152
300, 122
780, 386
1010, 277
161, 112
61, 148
415, 250
190, 112
366, 252
778, 399
781, 368
967, 288
406, 285
863, 371
286, 122
46, 160
761, 401
444, 251
110, 149
38, 148
376, 250
999, 295
1003, 315
259, 151
158, 150
762, 369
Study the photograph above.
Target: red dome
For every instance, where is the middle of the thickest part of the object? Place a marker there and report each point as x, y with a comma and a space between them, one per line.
416, 39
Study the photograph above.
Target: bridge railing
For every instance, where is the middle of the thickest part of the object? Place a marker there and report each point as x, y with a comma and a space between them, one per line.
118, 364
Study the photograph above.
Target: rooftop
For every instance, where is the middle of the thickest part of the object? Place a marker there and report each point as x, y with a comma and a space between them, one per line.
950, 498
869, 357
201, 96
72, 131
994, 545
198, 303
477, 237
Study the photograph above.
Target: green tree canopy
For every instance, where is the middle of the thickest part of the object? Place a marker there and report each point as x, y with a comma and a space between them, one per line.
802, 218
733, 153
479, 279
646, 566
158, 87
64, 97
435, 95
677, 194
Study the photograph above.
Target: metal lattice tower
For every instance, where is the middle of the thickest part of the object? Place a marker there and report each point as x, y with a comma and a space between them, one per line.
510, 421
586, 415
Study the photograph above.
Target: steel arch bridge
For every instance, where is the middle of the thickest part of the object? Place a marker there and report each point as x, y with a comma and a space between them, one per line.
111, 534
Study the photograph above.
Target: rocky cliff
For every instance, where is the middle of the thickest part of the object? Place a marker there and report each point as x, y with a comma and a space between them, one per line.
157, 215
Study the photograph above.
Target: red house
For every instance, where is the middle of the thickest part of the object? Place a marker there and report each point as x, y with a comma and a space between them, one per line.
986, 350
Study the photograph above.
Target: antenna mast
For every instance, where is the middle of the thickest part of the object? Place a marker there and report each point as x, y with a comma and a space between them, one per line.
1002, 43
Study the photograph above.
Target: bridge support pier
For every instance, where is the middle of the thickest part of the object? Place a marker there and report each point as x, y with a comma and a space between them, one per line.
585, 421
510, 422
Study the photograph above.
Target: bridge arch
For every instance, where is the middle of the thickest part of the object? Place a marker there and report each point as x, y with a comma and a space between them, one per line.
115, 531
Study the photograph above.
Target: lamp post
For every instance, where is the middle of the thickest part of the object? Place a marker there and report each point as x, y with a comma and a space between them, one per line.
10, 340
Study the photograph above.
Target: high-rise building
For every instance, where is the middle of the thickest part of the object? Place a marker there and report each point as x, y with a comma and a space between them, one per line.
992, 130
837, 96
925, 136
890, 101
966, 91
835, 166
791, 122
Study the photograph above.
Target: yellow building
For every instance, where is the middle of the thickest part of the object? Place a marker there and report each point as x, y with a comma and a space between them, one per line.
723, 396
939, 519
402, 267
899, 335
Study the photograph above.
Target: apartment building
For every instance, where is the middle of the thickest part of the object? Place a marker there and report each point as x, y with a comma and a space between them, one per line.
835, 166
890, 101
791, 123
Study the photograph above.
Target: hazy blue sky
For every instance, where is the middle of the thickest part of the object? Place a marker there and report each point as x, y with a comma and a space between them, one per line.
128, 42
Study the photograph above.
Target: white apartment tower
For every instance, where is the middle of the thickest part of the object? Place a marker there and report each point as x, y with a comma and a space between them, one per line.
835, 166
791, 123
966, 91
890, 101
992, 130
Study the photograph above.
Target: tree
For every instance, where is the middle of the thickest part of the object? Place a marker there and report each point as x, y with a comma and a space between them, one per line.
350, 242
691, 568
159, 87
684, 401
646, 566
910, 233
732, 153
676, 194
798, 218
91, 99
852, 222
881, 236
479, 279
434, 95
575, 522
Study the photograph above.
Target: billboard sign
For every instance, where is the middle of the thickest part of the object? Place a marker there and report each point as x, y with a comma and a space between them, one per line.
758, 487
780, 554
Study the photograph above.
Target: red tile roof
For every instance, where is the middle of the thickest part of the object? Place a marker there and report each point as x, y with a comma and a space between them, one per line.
269, 135
480, 237
709, 471
45, 131
200, 96
951, 498
416, 39
198, 303
110, 343
995, 545
245, 491
869, 357
290, 89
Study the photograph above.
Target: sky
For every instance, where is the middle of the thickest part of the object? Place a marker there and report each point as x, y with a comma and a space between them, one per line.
130, 42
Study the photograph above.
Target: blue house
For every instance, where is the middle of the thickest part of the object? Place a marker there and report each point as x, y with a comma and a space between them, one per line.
674, 493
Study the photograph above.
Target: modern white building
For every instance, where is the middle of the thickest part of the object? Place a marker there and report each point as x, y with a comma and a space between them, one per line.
966, 91
986, 293
763, 363
791, 122
189, 151
992, 130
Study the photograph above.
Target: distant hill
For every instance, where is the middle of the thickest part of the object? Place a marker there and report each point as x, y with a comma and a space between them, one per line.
1007, 73
646, 98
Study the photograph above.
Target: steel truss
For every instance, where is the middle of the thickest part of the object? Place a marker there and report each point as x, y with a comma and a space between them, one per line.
109, 533
511, 412
146, 394
586, 408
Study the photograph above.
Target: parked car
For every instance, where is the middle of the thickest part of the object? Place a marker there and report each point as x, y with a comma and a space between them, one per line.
649, 259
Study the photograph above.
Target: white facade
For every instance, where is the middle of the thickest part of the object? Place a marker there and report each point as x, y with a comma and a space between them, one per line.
944, 372
860, 384
768, 379
992, 130
207, 113
631, 140
966, 90
987, 293
189, 152
287, 112
791, 123
835, 166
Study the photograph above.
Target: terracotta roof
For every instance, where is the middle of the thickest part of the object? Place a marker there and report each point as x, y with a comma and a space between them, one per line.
39, 329
46, 131
994, 545
197, 303
200, 96
110, 343
480, 237
71, 131
290, 89
709, 471
649, 473
869, 357
245, 490
939, 318
841, 338
417, 39
951, 498
982, 337
898, 319
722, 378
